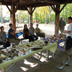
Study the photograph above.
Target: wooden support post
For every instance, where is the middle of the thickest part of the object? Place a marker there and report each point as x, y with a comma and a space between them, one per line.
8, 8
13, 15
57, 14
30, 15
57, 11
30, 11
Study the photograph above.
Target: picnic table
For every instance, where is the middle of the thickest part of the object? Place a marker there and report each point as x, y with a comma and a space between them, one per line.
48, 47
59, 47
58, 43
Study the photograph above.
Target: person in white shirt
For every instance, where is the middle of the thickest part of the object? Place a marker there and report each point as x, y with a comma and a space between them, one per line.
68, 32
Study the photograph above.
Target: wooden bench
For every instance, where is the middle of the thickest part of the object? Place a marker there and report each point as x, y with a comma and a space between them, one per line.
54, 63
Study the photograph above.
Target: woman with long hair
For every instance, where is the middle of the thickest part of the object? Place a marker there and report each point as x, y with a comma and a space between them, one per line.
3, 40
26, 34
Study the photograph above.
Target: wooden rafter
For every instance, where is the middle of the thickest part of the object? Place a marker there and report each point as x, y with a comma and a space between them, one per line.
33, 9
9, 9
27, 9
63, 7
39, 1
16, 6
53, 8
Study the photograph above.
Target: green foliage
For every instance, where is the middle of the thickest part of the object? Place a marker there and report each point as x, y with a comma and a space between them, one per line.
43, 14
66, 12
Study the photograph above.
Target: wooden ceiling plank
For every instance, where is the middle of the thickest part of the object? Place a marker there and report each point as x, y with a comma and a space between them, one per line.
39, 1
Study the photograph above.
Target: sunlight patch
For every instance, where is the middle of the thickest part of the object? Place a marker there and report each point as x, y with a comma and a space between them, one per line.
24, 69
30, 64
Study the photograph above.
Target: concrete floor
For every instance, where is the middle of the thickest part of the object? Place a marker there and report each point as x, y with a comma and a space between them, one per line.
31, 65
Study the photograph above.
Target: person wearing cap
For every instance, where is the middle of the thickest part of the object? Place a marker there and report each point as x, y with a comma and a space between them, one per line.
68, 32
38, 32
11, 35
32, 31
61, 25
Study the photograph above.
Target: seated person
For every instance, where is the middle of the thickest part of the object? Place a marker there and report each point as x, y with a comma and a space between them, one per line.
32, 31
38, 32
11, 35
26, 34
3, 40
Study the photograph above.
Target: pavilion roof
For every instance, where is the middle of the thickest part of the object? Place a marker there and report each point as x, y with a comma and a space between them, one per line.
34, 3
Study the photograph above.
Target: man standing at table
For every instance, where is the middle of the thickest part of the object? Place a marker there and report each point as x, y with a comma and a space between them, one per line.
61, 25
32, 31
68, 32
11, 35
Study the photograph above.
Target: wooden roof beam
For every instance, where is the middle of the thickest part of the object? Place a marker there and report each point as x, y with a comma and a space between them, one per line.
30, 12
27, 9
33, 9
16, 6
63, 7
9, 9
54, 8
39, 1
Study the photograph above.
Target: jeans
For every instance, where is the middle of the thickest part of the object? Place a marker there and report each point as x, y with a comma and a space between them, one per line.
5, 44
35, 37
68, 43
29, 37
40, 34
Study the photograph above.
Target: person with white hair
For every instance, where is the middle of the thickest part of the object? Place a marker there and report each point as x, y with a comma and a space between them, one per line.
62, 24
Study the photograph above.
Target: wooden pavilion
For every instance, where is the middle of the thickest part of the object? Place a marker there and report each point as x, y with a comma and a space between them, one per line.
30, 6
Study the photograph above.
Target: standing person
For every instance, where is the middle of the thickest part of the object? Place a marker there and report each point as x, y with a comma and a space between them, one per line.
62, 25
3, 40
26, 34
68, 32
38, 32
32, 31
11, 35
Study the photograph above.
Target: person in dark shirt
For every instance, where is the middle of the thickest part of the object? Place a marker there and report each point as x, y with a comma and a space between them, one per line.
11, 35
26, 34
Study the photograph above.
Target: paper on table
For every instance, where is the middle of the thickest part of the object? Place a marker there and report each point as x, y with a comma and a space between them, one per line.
51, 47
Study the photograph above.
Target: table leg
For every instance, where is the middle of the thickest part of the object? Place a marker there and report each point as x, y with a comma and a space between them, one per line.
3, 69
10, 67
40, 55
68, 60
61, 67
53, 55
47, 55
